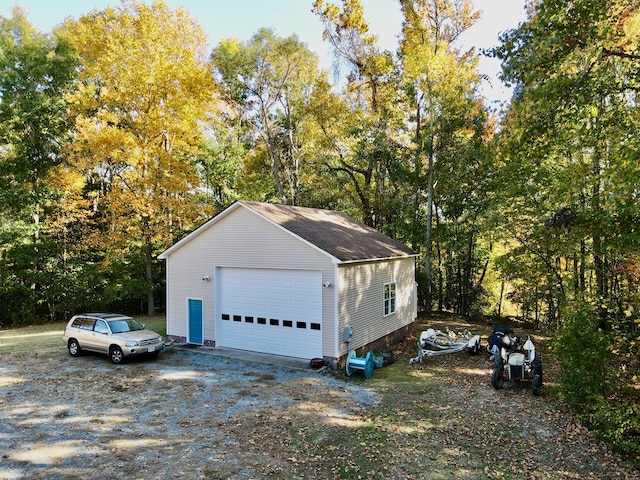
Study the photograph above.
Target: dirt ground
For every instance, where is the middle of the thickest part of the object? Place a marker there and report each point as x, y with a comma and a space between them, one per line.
192, 415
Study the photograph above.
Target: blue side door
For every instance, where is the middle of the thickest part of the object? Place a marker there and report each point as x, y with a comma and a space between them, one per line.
195, 321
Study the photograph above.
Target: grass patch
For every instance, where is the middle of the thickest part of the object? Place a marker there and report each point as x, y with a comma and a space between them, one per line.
157, 323
35, 337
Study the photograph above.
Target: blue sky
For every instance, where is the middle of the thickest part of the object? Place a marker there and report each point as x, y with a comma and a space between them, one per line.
242, 18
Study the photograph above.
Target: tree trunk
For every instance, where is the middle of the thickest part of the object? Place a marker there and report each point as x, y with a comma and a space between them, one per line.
501, 299
440, 276
148, 253
427, 261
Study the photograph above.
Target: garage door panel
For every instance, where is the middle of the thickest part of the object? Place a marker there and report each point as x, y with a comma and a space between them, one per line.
270, 311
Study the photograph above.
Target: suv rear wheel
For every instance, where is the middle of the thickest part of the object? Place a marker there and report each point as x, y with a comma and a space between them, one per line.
74, 348
115, 354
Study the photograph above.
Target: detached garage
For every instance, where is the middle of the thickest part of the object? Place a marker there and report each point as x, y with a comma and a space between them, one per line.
290, 281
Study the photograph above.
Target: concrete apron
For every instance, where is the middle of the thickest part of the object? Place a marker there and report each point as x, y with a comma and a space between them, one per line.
249, 356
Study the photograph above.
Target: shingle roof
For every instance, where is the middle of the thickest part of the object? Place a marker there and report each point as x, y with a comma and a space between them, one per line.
334, 232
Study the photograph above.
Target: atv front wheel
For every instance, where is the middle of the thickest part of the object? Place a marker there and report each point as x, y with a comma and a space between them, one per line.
537, 366
497, 378
536, 384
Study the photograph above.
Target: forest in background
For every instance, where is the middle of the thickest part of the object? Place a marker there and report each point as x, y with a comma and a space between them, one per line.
120, 134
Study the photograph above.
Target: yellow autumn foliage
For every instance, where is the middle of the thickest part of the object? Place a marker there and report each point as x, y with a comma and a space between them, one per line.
145, 91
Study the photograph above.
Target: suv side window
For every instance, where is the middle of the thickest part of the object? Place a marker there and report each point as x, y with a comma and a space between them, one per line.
101, 327
83, 323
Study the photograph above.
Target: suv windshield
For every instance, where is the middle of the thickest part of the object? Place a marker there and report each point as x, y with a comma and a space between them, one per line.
124, 325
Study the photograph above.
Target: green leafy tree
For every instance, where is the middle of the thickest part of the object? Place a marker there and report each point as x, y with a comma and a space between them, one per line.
570, 162
36, 72
449, 130
360, 126
404, 123
569, 196
267, 83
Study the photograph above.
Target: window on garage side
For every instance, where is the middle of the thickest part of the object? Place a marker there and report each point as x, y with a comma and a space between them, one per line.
389, 298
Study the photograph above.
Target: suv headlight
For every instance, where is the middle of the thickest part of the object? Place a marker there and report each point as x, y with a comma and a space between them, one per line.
131, 344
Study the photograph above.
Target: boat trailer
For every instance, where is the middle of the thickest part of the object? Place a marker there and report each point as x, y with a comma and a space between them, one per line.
435, 342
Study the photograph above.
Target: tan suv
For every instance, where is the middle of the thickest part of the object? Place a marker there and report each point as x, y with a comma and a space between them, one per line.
116, 335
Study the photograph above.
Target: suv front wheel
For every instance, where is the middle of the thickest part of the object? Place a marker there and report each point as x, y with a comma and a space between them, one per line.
115, 354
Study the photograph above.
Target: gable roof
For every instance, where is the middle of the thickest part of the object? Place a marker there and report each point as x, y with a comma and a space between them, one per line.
330, 231
334, 232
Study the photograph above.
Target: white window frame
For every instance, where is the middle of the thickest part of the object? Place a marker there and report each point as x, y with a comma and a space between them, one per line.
390, 298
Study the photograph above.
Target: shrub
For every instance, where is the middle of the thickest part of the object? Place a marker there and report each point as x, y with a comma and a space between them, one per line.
590, 377
584, 353
618, 425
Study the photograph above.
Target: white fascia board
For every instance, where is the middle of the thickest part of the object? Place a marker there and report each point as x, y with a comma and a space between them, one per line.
372, 260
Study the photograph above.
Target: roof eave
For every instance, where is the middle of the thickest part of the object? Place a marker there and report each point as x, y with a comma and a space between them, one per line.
381, 259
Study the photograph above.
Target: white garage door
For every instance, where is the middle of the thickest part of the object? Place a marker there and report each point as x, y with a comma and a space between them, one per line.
270, 311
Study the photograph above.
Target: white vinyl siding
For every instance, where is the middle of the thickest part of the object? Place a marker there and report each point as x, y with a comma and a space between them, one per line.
241, 239
361, 299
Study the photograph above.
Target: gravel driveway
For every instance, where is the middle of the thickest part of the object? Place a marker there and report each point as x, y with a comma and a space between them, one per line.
192, 415
64, 417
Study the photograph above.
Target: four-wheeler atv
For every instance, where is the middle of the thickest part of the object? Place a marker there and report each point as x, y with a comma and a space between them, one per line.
514, 361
